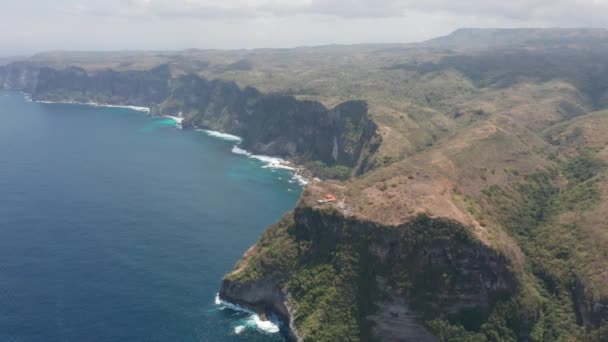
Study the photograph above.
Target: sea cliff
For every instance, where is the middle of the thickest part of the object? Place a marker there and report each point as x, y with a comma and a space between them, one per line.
335, 277
269, 124
475, 207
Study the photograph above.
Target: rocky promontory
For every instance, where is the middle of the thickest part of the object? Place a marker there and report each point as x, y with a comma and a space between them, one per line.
332, 275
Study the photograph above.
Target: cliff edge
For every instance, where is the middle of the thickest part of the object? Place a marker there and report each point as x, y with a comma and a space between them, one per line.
278, 125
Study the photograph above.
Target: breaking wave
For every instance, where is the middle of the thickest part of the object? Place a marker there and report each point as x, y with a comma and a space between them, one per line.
178, 120
273, 163
223, 136
252, 321
237, 150
95, 104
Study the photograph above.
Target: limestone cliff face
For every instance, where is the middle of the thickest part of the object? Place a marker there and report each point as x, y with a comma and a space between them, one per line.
19, 76
269, 124
138, 88
397, 276
265, 296
275, 124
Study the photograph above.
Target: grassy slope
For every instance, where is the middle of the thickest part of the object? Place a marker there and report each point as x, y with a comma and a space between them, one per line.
507, 149
482, 155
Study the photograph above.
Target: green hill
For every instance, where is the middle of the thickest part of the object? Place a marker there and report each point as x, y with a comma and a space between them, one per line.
473, 176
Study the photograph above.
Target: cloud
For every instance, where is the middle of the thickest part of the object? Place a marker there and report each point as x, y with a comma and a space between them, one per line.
33, 25
553, 12
204, 9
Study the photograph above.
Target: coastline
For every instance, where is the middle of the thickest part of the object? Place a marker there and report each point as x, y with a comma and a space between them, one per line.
299, 173
270, 324
130, 124
93, 104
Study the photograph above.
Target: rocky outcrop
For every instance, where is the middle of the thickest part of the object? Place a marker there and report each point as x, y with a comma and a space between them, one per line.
269, 124
394, 319
264, 296
19, 76
428, 268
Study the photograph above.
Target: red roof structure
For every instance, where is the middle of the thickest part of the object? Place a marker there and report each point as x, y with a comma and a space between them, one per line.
329, 198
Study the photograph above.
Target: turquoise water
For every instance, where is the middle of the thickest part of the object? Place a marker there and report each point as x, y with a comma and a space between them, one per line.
119, 227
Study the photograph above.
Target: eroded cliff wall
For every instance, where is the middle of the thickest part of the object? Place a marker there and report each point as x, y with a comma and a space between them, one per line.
334, 277
269, 124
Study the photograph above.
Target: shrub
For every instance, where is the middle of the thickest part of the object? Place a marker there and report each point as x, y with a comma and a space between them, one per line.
323, 170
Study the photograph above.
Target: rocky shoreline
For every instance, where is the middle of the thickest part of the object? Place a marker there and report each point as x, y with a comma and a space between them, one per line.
301, 173
265, 298
271, 300
269, 124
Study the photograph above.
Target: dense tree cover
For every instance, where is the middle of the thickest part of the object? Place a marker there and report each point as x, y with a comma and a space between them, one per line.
530, 211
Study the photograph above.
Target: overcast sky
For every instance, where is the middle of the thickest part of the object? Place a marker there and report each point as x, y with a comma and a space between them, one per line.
27, 26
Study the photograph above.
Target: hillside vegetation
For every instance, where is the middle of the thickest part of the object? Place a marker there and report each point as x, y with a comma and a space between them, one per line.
508, 140
480, 214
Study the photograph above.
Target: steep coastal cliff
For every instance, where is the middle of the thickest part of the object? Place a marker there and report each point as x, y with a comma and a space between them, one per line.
277, 124
19, 76
446, 245
475, 207
269, 124
335, 277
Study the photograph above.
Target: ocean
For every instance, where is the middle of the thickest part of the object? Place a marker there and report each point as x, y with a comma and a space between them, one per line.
115, 226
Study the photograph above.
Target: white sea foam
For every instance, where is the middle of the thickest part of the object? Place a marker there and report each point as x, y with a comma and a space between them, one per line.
136, 108
254, 320
223, 136
269, 162
267, 326
95, 104
300, 179
178, 120
272, 162
227, 305
237, 150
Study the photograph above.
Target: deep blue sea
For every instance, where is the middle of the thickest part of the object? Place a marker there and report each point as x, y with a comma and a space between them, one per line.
115, 226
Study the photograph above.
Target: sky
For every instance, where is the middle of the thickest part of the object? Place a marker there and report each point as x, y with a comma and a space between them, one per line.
28, 26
